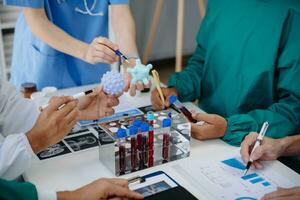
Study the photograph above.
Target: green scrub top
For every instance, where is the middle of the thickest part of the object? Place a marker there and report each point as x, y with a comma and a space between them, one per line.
246, 66
17, 190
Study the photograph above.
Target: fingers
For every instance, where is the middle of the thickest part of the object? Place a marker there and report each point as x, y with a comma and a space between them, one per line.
56, 102
247, 145
132, 90
119, 191
257, 153
257, 165
109, 111
102, 50
140, 85
205, 117
107, 42
112, 101
156, 101
119, 181
64, 111
71, 117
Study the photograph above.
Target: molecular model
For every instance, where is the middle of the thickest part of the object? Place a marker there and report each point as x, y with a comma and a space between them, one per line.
140, 72
113, 82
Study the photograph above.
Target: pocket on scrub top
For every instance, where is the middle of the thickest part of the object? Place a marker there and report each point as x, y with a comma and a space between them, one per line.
49, 66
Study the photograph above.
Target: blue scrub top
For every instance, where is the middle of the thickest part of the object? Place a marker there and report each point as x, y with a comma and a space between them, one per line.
35, 61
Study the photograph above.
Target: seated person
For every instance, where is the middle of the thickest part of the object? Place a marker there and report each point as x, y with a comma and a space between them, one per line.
245, 70
271, 149
25, 132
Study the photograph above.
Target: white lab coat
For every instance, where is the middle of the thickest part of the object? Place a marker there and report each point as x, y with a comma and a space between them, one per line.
17, 117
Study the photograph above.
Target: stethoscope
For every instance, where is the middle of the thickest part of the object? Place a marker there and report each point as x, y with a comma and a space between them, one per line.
88, 10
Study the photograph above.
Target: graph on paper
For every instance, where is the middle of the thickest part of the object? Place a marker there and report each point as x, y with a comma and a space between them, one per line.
228, 179
253, 178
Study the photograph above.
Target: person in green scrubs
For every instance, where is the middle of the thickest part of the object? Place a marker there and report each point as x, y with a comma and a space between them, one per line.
245, 70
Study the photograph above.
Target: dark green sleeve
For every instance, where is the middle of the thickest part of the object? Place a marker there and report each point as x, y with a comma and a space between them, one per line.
188, 82
284, 114
10, 190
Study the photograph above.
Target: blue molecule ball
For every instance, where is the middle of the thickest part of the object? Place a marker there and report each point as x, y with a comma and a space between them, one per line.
113, 82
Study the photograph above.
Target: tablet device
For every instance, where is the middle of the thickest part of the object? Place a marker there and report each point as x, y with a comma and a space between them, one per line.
159, 185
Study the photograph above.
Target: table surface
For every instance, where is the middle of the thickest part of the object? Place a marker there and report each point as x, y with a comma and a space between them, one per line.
77, 169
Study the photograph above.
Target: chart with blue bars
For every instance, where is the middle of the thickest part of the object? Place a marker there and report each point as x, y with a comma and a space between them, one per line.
253, 178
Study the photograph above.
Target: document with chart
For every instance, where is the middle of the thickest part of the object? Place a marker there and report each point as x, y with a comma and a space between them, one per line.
227, 176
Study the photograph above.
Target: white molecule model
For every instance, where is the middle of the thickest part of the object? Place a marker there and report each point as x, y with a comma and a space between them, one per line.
113, 82
140, 72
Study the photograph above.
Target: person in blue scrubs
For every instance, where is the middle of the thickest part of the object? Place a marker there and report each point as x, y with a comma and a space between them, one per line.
64, 43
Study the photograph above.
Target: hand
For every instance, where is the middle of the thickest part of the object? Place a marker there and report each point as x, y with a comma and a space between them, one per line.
99, 52
214, 126
270, 149
96, 105
101, 189
53, 123
156, 101
284, 194
132, 88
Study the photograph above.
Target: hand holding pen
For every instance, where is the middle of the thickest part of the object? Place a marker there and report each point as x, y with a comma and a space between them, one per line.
101, 50
257, 144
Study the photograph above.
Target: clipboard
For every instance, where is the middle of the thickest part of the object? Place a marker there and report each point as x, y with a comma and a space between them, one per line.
161, 186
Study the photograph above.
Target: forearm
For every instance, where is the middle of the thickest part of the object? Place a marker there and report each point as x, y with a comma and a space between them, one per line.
65, 195
291, 145
52, 35
240, 125
124, 28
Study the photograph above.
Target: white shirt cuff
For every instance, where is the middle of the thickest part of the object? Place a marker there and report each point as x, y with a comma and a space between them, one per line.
28, 146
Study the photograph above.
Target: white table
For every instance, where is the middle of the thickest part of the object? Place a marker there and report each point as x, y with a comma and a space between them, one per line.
77, 169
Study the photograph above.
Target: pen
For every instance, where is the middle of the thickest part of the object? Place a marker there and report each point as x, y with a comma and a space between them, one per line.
258, 142
75, 96
157, 84
118, 53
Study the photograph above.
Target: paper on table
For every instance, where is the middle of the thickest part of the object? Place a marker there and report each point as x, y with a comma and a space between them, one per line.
227, 180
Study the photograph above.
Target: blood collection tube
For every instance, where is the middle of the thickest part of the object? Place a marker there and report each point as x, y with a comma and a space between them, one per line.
121, 141
179, 106
133, 149
150, 120
166, 138
139, 138
145, 132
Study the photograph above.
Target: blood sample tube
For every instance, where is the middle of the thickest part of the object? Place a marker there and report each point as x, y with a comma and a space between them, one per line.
139, 139
133, 149
121, 141
150, 120
179, 106
145, 131
166, 138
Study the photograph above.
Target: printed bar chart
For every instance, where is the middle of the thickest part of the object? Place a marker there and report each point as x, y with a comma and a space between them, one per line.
253, 178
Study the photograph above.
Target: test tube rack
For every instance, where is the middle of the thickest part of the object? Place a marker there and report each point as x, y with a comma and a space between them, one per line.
179, 145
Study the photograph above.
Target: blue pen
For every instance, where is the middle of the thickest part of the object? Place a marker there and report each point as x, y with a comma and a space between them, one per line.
118, 53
